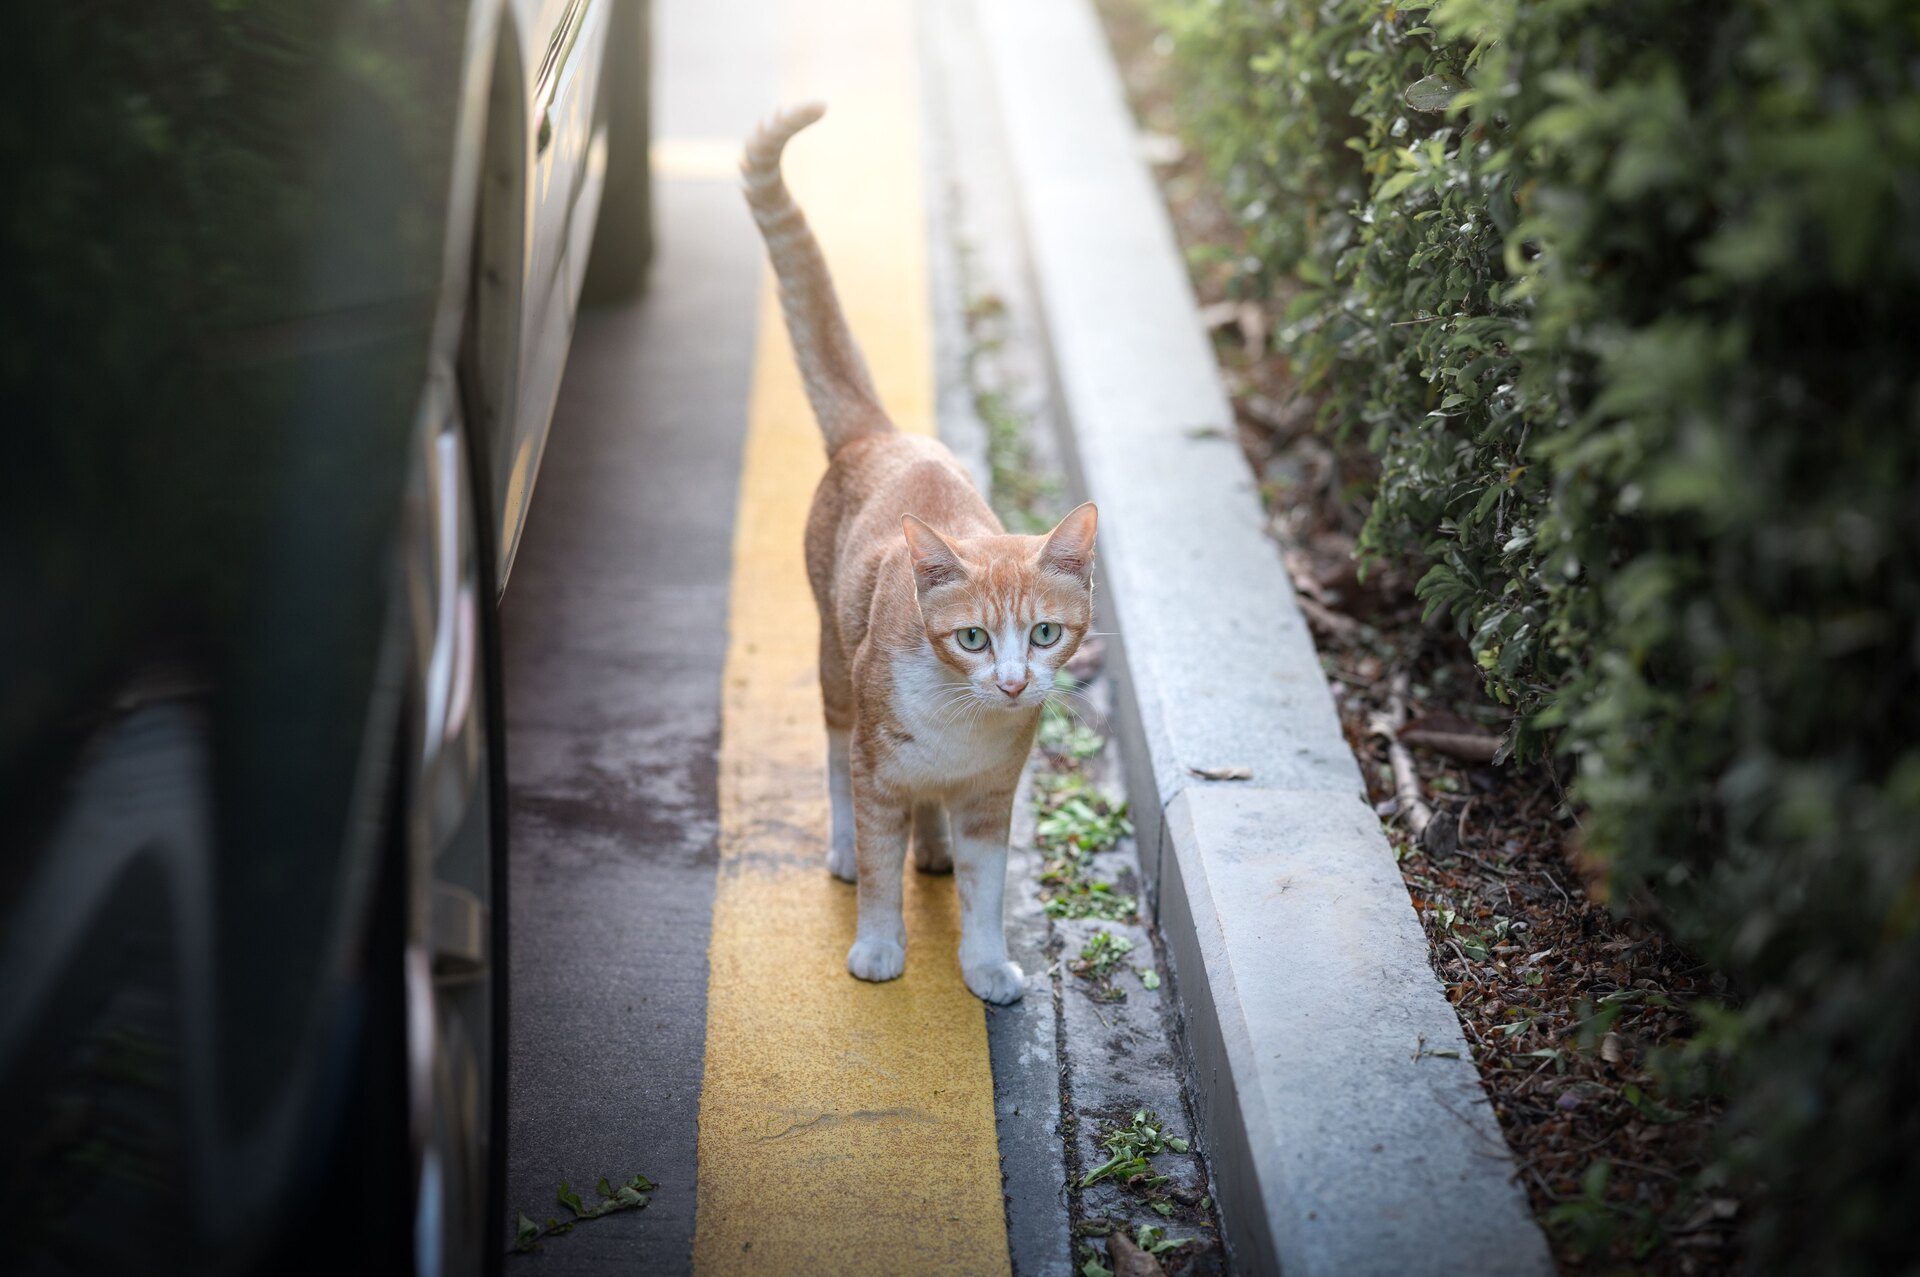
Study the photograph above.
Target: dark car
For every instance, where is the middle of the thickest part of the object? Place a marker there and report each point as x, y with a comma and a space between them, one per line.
288, 291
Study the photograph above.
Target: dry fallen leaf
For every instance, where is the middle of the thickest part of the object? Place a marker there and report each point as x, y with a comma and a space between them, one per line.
1253, 327
1219, 314
1222, 773
1129, 1260
1441, 836
1246, 317
1161, 150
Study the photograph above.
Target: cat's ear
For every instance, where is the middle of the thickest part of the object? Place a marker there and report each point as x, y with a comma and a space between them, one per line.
1069, 547
935, 561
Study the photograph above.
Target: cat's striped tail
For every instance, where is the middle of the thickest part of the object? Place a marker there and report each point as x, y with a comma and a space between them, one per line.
837, 381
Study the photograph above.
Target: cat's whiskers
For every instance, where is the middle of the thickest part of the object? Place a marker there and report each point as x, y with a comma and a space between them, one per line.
954, 703
1072, 693
1067, 697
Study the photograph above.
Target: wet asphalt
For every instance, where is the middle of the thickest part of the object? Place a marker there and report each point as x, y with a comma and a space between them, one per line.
614, 631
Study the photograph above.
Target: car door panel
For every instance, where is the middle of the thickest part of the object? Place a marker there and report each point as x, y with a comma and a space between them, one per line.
563, 192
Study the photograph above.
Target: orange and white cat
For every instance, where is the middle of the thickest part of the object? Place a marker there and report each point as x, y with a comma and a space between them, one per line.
940, 634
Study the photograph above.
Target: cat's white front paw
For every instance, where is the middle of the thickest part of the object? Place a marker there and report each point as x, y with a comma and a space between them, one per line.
996, 982
876, 959
841, 862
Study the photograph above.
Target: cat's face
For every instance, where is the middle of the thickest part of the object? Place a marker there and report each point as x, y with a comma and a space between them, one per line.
1006, 612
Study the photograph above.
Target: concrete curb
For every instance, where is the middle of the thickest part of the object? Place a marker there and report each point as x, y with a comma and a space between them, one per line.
1342, 1113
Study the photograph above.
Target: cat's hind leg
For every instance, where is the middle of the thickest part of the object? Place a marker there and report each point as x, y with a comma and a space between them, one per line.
932, 838
836, 698
841, 859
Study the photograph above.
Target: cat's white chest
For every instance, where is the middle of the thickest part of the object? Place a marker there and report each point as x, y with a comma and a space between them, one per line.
946, 735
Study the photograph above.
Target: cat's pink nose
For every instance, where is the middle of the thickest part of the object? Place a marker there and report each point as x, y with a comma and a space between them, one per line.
1012, 688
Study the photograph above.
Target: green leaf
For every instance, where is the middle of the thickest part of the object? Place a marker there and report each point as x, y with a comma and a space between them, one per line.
604, 1188
1119, 1166
1165, 1208
1153, 1239
1396, 184
1150, 978
1434, 92
1177, 1144
570, 1199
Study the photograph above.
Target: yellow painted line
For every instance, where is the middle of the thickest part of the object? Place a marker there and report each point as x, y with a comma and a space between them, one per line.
845, 1128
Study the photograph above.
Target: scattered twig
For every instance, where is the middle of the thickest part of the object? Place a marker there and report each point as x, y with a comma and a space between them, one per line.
1406, 781
1468, 747
1485, 864
1325, 619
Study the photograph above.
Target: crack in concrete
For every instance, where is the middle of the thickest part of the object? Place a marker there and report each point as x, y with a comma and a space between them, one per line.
821, 1121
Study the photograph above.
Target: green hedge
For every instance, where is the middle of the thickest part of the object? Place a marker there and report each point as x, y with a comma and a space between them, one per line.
1625, 299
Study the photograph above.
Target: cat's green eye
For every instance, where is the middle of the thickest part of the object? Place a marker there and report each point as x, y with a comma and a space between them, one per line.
1045, 634
973, 638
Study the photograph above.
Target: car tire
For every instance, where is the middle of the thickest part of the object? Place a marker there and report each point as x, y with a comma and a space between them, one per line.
452, 829
496, 1223
623, 235
415, 1178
